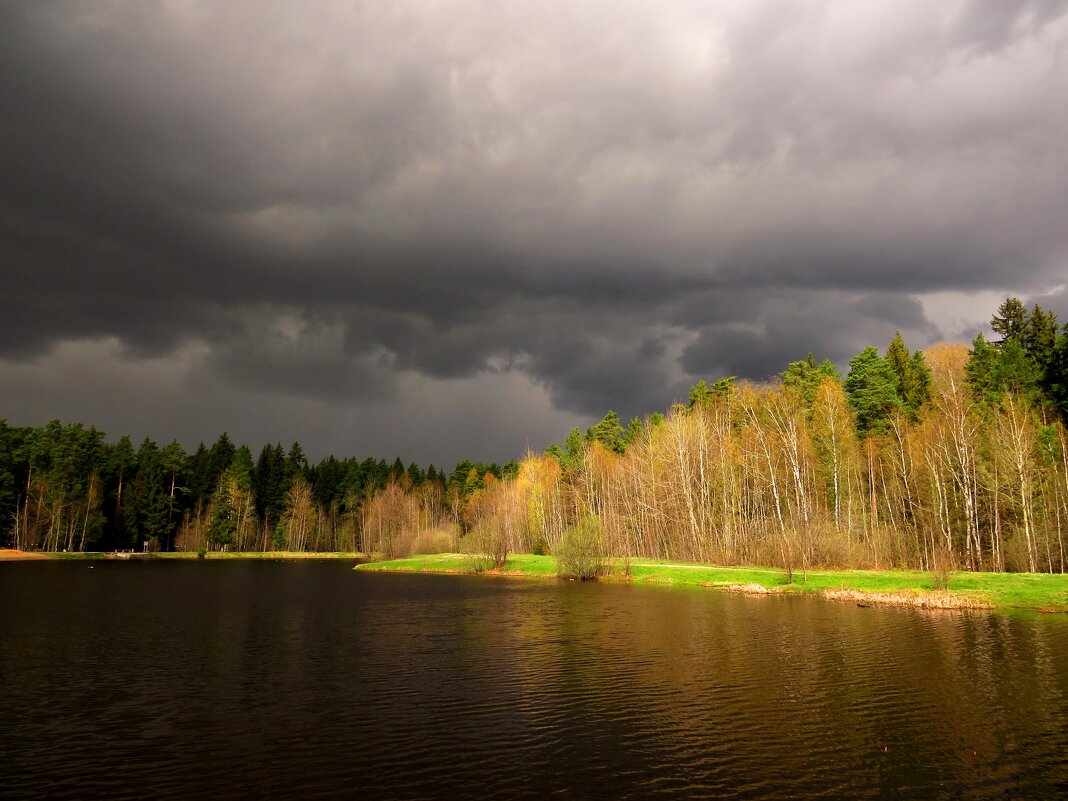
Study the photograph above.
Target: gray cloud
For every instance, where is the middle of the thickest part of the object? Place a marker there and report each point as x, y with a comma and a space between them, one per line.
333, 209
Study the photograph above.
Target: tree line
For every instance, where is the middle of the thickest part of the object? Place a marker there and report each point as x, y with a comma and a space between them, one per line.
64, 488
950, 457
953, 456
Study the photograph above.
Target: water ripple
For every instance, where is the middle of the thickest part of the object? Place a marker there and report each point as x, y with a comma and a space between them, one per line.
261, 680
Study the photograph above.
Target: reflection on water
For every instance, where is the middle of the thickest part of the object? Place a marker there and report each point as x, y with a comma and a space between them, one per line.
261, 679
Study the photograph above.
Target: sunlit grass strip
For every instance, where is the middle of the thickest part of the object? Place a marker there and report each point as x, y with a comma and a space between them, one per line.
895, 587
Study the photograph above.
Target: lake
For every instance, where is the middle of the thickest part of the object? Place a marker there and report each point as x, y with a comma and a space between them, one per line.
170, 679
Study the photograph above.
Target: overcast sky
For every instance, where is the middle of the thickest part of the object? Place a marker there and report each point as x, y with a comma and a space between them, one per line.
456, 229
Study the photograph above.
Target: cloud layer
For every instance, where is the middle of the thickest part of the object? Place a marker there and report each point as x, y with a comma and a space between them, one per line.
381, 217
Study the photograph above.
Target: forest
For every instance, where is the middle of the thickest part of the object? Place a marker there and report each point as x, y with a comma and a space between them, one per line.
63, 488
952, 457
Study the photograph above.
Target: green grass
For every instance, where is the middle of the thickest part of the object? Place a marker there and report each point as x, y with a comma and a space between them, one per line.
999, 590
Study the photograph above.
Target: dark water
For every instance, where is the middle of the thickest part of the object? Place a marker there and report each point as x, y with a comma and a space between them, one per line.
302, 680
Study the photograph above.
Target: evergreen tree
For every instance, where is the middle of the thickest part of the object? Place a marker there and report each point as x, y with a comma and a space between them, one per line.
805, 377
1010, 320
201, 485
1057, 375
982, 372
917, 387
1039, 337
220, 457
1017, 372
872, 390
173, 460
222, 528
10, 439
912, 373
475, 480
415, 475
703, 392
634, 428
992, 371
296, 461
459, 474
575, 444
149, 498
119, 468
271, 484
608, 432
326, 480
241, 468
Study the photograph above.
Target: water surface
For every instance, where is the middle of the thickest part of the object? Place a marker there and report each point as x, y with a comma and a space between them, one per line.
305, 679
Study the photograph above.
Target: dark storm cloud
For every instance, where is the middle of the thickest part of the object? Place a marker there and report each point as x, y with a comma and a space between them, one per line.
328, 209
756, 339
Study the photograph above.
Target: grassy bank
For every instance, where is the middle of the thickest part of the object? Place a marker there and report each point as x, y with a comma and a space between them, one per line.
896, 587
11, 555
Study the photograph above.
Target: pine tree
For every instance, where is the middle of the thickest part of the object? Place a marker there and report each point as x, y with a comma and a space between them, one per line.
1017, 372
222, 528
1057, 375
608, 432
982, 372
575, 445
174, 459
415, 475
120, 467
806, 376
913, 375
10, 439
634, 428
1039, 337
220, 457
702, 392
1010, 320
917, 388
149, 497
872, 390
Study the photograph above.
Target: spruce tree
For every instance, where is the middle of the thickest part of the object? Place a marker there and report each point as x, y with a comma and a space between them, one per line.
805, 377
608, 432
982, 372
872, 390
913, 375
1040, 334
1057, 375
1010, 320
222, 528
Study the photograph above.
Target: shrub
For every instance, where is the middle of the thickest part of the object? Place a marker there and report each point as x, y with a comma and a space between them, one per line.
437, 540
942, 567
486, 548
580, 552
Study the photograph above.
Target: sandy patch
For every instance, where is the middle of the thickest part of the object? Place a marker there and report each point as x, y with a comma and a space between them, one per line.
11, 555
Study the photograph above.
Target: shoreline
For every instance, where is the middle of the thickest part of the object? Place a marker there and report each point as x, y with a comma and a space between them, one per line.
903, 588
12, 555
